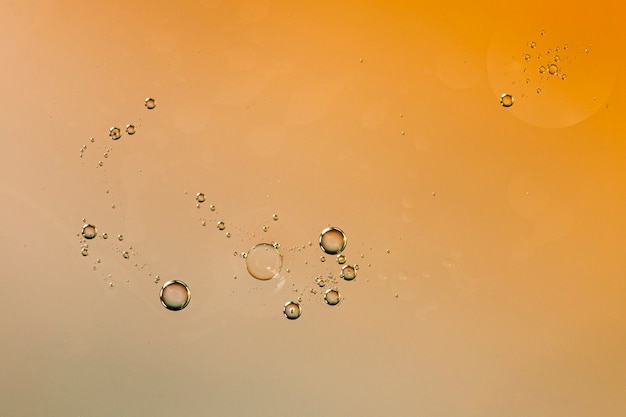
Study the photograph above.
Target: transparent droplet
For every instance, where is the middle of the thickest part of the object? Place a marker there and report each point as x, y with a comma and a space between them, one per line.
203, 223
89, 231
200, 198
322, 258
150, 103
244, 255
99, 163
333, 240
84, 251
348, 273
565, 46
292, 310
542, 69
175, 295
212, 207
221, 225
120, 237
388, 251
264, 261
533, 45
538, 90
506, 100
341, 259
265, 228
332, 297
557, 58
527, 80
321, 282
130, 129
106, 154
526, 57
275, 217
115, 133
126, 255
105, 235
92, 140
553, 69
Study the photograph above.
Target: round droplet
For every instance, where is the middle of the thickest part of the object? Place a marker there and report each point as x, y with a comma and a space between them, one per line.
130, 129
175, 295
322, 258
538, 90
275, 217
542, 69
200, 198
92, 140
341, 259
264, 261
333, 240
292, 310
553, 69
221, 225
526, 57
105, 235
106, 154
348, 273
321, 282
527, 80
557, 58
506, 100
265, 228
228, 234
120, 237
150, 103
89, 231
332, 297
126, 255
533, 45
84, 251
115, 133
212, 207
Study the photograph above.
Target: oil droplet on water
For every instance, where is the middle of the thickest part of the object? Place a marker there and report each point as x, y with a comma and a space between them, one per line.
221, 225
126, 255
557, 58
89, 231
542, 69
506, 100
322, 258
348, 273
175, 295
333, 240
263, 261
292, 310
212, 207
200, 198
130, 129
105, 235
332, 297
150, 103
275, 217
120, 237
115, 133
553, 69
84, 251
341, 259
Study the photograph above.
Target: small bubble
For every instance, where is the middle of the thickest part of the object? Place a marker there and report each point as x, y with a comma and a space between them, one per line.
533, 45
341, 259
557, 58
228, 234
275, 217
586, 50
105, 235
321, 282
203, 222
388, 251
92, 140
200, 198
348, 273
542, 69
115, 133
553, 69
506, 100
332, 297
526, 57
264, 261
565, 46
265, 228
292, 310
89, 231
221, 225
120, 237
175, 295
542, 33
527, 80
198, 205
356, 267
549, 51
361, 60
538, 90
84, 251
276, 245
130, 129
212, 207
333, 240
126, 255
111, 285
99, 163
150, 103
322, 259
106, 154
396, 295
112, 206
564, 77
244, 255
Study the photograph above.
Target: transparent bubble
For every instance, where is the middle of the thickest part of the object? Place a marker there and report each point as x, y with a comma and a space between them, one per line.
212, 207
292, 310
348, 273
542, 33
221, 225
105, 235
553, 69
126, 255
265, 228
276, 245
333, 240
565, 46
533, 45
527, 80
89, 231
200, 198
264, 261
275, 217
526, 57
557, 58
341, 259
332, 297
84, 251
322, 258
564, 77
549, 51
99, 163
106, 154
150, 103
542, 69
203, 222
92, 140
506, 100
175, 295
538, 90
244, 255
115, 133
120, 237
321, 282
130, 129
228, 234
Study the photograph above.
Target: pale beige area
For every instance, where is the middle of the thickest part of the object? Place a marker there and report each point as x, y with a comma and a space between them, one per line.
505, 227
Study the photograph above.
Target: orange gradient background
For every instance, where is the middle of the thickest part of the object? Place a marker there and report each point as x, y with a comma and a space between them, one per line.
491, 241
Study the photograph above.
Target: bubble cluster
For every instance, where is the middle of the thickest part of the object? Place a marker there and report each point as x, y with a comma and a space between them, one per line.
175, 295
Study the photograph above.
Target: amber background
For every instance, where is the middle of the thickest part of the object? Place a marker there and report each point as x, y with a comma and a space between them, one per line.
505, 227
